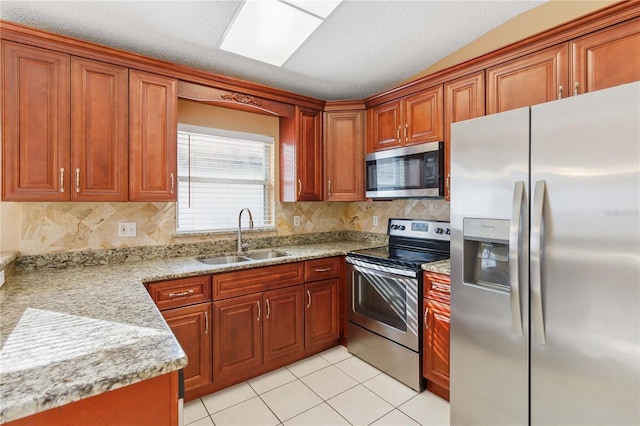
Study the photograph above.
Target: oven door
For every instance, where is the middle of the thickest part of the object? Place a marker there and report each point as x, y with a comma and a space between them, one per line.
385, 301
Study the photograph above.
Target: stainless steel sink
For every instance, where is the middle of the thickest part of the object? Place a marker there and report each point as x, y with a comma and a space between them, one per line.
224, 260
271, 254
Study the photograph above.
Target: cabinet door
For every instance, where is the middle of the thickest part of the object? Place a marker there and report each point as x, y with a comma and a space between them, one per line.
530, 80
423, 117
283, 322
191, 327
35, 128
301, 156
606, 58
344, 155
309, 156
384, 126
436, 342
237, 336
99, 131
152, 137
463, 100
321, 314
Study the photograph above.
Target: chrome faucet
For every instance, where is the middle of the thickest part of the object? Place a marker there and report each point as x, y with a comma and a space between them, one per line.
243, 246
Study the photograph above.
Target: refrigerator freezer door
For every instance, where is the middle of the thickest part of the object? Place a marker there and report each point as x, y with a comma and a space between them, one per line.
489, 346
585, 364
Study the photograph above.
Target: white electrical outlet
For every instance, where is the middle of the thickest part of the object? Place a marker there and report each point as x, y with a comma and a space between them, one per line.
1, 278
126, 229
375, 221
296, 221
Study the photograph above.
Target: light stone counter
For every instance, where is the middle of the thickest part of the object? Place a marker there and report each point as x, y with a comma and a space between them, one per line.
6, 257
441, 267
68, 334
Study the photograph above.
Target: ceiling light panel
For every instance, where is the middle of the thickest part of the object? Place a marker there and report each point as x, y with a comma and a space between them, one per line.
321, 8
269, 31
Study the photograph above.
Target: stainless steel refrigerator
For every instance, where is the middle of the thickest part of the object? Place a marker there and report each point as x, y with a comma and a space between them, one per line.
545, 263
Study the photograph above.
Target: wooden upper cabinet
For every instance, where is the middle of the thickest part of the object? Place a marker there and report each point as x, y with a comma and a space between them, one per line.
35, 129
606, 58
153, 106
384, 126
463, 100
99, 131
301, 156
344, 155
423, 117
411, 120
530, 80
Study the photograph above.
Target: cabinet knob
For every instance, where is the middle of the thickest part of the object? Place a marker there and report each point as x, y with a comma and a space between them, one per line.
309, 299
576, 86
424, 320
268, 308
560, 92
299, 187
406, 126
172, 183
259, 310
206, 322
398, 134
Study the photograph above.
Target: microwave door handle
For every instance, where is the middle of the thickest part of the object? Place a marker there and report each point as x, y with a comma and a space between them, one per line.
514, 250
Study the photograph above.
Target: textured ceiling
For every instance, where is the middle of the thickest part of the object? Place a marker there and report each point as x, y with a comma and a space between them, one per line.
363, 48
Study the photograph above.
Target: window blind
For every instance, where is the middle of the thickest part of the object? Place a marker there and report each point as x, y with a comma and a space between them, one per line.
219, 173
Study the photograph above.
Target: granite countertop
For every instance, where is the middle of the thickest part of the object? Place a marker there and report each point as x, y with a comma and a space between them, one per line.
441, 267
68, 334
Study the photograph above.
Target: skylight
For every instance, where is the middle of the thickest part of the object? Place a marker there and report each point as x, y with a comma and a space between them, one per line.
271, 30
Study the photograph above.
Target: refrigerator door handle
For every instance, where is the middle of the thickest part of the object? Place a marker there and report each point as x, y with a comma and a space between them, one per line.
536, 261
514, 265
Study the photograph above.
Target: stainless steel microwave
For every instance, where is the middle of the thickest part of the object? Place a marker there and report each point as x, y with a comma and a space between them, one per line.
408, 172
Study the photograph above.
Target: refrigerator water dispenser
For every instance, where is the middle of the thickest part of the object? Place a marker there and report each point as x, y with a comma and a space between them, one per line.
486, 253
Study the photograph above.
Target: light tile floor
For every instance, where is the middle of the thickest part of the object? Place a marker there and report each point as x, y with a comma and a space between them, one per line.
331, 388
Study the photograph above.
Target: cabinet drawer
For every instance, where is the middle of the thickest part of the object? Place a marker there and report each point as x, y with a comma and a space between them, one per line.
437, 287
180, 292
255, 280
321, 269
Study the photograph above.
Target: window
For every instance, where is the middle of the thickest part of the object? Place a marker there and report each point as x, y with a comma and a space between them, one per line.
219, 173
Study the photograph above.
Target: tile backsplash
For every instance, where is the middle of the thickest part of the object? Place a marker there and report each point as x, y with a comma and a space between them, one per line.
62, 227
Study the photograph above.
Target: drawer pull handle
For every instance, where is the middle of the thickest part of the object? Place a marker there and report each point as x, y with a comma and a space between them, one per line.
259, 310
424, 320
441, 288
327, 269
206, 323
172, 183
268, 308
181, 294
309, 297
576, 86
77, 180
62, 179
299, 187
560, 89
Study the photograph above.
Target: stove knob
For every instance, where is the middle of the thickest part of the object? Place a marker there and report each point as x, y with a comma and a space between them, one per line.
402, 228
439, 230
448, 231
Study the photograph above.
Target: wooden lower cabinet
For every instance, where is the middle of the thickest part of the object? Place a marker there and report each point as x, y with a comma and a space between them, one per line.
191, 326
283, 326
237, 336
152, 402
435, 333
322, 319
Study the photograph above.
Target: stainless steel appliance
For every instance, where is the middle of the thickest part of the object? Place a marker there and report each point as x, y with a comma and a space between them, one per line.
384, 292
545, 265
412, 171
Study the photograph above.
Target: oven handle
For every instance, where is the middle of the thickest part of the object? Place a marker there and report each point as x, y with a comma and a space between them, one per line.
363, 266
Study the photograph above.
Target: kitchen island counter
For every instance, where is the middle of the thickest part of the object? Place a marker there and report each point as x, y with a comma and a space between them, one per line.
69, 334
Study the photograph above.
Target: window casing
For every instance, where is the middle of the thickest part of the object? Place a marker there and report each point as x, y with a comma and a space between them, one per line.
219, 173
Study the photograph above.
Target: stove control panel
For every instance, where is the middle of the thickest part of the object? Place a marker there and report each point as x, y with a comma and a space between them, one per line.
416, 228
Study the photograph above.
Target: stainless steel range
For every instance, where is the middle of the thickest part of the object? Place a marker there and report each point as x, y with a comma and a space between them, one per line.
384, 291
